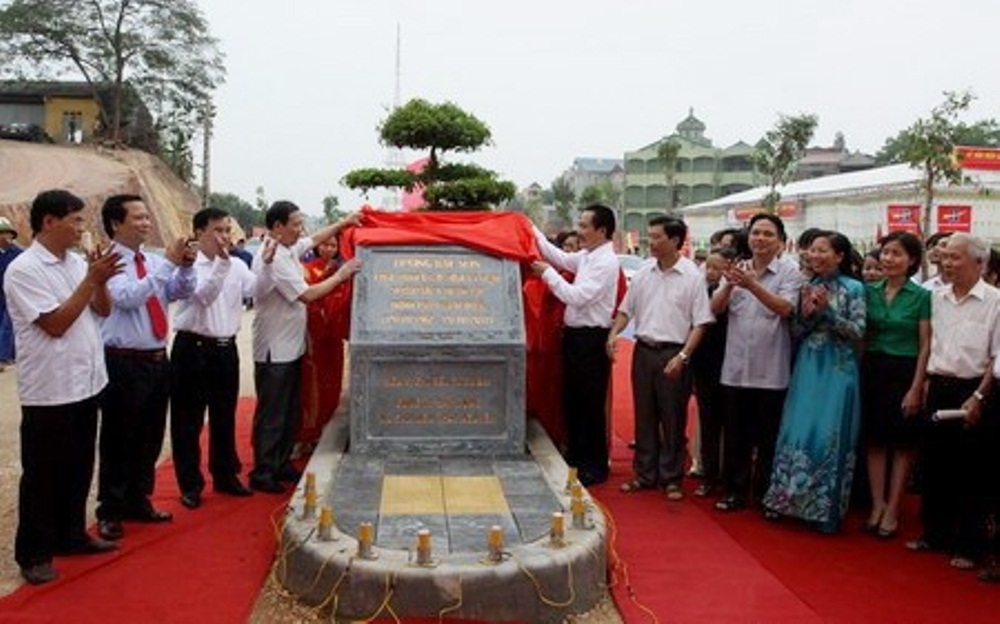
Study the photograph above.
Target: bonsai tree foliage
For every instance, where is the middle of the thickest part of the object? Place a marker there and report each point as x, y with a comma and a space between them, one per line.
779, 151
440, 128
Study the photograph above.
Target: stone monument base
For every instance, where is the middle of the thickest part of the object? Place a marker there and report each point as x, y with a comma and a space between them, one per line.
458, 499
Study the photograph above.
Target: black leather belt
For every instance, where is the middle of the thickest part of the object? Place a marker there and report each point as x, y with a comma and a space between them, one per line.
207, 341
149, 355
658, 346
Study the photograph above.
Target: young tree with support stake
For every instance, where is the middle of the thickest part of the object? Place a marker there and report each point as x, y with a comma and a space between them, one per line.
421, 125
929, 145
780, 150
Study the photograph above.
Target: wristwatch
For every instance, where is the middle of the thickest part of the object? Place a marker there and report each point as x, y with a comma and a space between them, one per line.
979, 395
684, 357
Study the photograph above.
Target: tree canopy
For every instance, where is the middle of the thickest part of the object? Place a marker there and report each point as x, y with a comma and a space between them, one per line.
780, 149
929, 144
668, 150
441, 128
162, 51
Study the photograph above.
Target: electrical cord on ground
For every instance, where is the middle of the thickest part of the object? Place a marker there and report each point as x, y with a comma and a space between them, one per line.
541, 594
454, 607
616, 563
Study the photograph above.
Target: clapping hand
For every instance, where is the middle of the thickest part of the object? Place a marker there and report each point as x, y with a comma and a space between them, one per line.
103, 264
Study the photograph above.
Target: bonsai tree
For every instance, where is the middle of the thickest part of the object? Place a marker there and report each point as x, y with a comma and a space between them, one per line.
421, 125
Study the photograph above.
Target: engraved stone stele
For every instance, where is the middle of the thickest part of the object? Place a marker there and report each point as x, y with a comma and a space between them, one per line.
437, 353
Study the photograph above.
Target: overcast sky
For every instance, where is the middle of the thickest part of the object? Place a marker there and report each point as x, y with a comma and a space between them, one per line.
309, 80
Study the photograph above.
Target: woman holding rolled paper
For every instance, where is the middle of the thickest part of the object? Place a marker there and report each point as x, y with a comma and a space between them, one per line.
965, 340
897, 346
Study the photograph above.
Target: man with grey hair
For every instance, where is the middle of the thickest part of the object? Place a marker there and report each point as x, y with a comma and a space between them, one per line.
965, 339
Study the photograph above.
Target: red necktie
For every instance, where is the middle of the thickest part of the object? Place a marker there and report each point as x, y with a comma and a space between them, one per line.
156, 314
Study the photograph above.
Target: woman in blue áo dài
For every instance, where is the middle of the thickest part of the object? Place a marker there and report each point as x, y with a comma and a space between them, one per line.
815, 455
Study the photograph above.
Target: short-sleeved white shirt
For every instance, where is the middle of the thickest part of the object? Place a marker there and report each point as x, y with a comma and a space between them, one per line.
667, 305
216, 305
50, 370
279, 327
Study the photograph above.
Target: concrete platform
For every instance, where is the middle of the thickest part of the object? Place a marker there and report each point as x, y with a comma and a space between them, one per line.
458, 499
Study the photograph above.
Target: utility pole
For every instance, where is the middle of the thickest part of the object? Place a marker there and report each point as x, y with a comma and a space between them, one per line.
206, 169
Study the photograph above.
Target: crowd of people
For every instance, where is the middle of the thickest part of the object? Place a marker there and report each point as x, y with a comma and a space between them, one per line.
91, 332
806, 372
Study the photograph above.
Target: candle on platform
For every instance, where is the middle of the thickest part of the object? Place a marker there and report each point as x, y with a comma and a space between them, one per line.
496, 537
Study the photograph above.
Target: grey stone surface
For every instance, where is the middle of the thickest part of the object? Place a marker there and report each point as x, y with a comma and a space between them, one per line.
437, 353
534, 583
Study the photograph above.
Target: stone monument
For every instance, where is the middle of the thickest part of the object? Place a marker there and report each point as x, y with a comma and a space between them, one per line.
437, 353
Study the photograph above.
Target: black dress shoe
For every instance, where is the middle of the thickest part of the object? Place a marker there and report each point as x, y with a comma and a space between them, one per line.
267, 485
289, 473
232, 487
150, 516
111, 530
191, 500
91, 546
39, 573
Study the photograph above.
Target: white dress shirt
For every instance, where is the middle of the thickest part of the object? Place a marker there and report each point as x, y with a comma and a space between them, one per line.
279, 327
216, 305
590, 298
964, 333
667, 305
50, 370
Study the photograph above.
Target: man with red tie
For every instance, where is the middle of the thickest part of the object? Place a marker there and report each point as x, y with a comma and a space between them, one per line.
134, 407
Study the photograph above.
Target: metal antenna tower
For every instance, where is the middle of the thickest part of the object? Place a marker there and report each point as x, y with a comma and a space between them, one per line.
394, 155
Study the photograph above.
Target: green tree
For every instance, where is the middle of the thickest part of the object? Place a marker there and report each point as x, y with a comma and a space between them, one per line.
535, 211
593, 194
929, 145
563, 198
331, 210
983, 133
440, 128
161, 51
242, 211
780, 150
667, 151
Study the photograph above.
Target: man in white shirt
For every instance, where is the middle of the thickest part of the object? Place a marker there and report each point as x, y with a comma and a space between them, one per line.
55, 298
205, 362
668, 301
590, 302
279, 340
965, 342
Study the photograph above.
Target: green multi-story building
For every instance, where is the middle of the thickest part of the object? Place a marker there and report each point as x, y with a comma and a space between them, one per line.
701, 172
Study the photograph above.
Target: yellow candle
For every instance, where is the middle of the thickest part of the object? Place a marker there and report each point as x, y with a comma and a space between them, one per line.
310, 497
496, 537
366, 533
423, 539
577, 490
310, 481
326, 517
558, 523
577, 506
571, 477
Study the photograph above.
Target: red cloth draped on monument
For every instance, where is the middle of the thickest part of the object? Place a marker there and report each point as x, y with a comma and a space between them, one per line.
504, 234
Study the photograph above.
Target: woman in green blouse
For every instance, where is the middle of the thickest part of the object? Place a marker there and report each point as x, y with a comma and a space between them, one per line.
897, 346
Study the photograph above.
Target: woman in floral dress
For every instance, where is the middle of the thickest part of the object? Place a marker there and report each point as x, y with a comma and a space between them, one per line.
815, 455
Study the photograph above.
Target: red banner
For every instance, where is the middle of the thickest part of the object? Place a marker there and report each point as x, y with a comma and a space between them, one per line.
785, 210
903, 218
987, 158
954, 218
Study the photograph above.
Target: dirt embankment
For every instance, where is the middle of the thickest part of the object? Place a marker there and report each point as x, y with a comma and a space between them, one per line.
93, 173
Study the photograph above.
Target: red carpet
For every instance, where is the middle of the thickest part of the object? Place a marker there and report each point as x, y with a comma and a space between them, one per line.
677, 562
207, 565
688, 563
